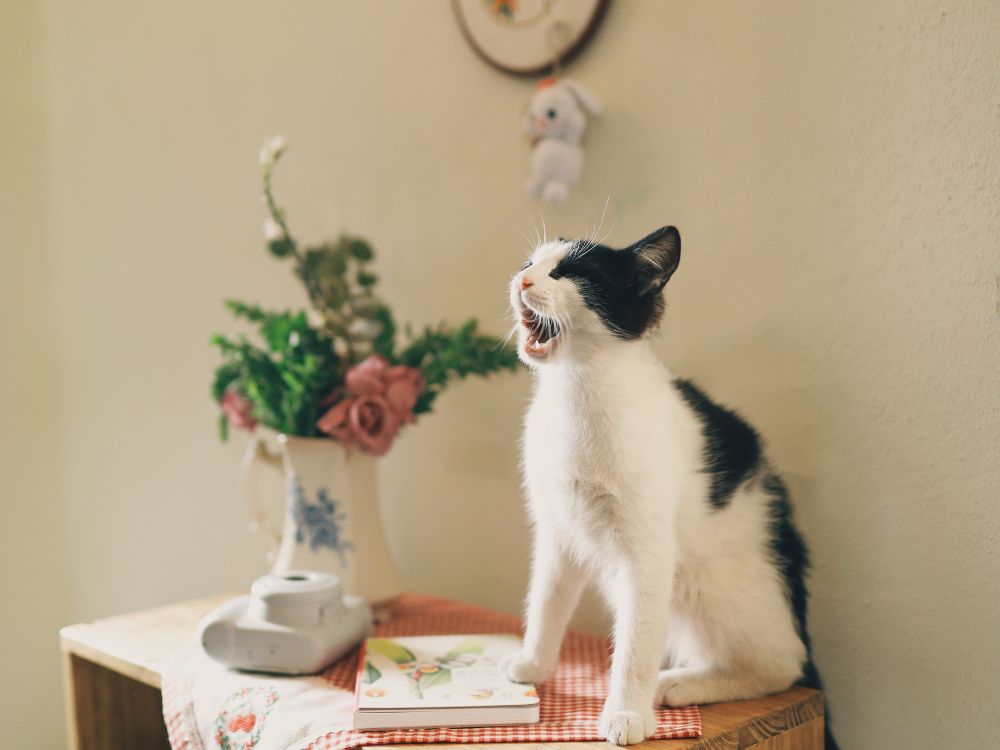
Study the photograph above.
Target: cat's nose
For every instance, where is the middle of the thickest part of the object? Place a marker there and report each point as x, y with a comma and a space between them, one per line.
526, 283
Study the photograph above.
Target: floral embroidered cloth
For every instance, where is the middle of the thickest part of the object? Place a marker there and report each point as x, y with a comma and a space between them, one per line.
208, 706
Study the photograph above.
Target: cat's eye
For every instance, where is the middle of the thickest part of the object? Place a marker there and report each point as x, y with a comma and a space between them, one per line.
556, 274
526, 266
552, 114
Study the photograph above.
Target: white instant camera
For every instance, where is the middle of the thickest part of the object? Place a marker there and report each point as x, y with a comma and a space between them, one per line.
291, 623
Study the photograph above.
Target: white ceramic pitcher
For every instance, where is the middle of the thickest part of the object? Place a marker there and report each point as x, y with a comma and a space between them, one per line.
332, 521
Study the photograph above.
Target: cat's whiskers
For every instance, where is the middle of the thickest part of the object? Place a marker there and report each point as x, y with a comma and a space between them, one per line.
592, 240
537, 238
607, 234
514, 319
527, 247
510, 334
564, 326
550, 328
595, 230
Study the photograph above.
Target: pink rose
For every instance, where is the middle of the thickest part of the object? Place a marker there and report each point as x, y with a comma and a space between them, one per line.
336, 422
402, 387
376, 401
365, 378
238, 409
374, 424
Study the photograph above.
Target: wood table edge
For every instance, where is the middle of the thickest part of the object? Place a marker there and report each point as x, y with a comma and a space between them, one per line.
147, 674
746, 734
115, 649
758, 729
811, 707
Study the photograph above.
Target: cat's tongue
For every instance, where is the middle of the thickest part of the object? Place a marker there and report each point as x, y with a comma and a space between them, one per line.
538, 331
539, 349
541, 334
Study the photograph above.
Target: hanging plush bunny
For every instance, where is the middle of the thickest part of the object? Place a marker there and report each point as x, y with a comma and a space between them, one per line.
557, 117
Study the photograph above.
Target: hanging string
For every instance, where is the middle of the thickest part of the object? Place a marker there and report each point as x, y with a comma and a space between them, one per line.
559, 39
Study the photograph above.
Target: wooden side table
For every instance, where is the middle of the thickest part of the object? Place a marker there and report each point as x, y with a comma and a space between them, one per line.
112, 671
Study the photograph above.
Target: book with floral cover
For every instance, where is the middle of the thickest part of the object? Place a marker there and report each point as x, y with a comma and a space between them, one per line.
439, 681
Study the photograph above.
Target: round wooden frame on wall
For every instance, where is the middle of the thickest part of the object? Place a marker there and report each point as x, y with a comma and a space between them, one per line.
505, 37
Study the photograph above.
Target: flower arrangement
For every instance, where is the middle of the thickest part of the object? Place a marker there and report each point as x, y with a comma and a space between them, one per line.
336, 370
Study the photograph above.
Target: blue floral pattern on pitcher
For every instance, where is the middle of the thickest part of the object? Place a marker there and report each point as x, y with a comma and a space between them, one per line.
322, 521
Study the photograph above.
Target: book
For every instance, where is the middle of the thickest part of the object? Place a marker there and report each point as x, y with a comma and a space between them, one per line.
440, 681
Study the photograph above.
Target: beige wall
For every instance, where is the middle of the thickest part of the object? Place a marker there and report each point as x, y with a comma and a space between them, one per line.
33, 559
833, 170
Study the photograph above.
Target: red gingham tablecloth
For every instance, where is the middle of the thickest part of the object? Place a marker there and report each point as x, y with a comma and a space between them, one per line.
208, 706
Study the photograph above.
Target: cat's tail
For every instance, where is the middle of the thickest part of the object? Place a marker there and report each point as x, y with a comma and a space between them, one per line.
811, 679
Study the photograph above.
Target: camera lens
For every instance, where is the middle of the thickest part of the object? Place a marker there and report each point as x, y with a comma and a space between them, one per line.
295, 578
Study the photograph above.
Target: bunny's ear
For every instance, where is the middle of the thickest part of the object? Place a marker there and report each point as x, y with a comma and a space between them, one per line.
587, 100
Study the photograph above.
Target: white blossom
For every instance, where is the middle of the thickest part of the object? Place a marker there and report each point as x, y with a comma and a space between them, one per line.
272, 229
363, 328
272, 149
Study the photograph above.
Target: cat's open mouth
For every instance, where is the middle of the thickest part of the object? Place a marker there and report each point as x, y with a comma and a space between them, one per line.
542, 333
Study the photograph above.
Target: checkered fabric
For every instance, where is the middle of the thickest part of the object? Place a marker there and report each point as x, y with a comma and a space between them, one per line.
316, 713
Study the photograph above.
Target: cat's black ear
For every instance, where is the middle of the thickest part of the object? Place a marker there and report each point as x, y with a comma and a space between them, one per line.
657, 256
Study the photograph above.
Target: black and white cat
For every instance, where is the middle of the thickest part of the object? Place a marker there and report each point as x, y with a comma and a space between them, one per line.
637, 481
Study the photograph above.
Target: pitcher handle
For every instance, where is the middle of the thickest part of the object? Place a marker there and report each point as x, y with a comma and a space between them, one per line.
260, 523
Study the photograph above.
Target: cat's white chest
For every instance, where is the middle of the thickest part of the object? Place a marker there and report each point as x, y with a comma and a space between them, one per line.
572, 467
603, 457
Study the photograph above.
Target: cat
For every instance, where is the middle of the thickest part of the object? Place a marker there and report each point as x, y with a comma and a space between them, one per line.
638, 481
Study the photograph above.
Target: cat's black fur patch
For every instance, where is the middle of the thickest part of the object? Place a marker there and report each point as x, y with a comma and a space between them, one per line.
622, 287
791, 558
733, 451
604, 277
734, 454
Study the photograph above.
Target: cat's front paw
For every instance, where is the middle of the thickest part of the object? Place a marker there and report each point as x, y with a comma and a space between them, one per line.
520, 667
622, 726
